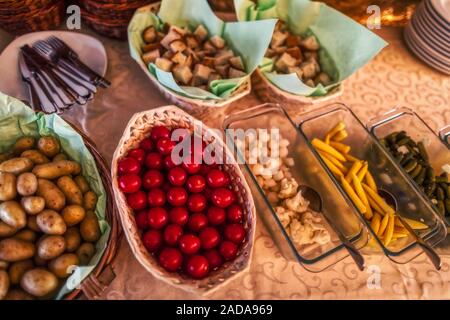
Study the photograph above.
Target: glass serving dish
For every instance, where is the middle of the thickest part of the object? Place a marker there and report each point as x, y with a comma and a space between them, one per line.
444, 134
404, 119
388, 176
306, 171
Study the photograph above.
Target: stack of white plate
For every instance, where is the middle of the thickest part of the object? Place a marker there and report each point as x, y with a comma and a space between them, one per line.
428, 34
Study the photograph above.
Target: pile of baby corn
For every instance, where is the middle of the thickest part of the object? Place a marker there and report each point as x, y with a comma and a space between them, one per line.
359, 184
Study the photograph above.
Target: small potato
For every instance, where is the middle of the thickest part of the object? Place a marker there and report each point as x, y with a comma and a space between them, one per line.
73, 239
18, 294
12, 250
54, 198
24, 143
16, 165
4, 284
12, 213
27, 184
59, 157
56, 169
73, 215
62, 266
85, 253
18, 269
7, 186
6, 230
32, 224
26, 235
89, 228
51, 247
39, 282
4, 265
33, 205
35, 156
50, 222
70, 189
90, 200
49, 146
82, 184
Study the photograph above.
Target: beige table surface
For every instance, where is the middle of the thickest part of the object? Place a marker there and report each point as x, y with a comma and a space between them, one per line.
393, 78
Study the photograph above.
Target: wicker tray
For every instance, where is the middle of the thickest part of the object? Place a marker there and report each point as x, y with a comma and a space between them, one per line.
99, 279
136, 130
268, 92
186, 102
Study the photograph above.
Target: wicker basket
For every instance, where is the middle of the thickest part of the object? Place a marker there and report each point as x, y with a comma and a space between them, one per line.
110, 17
31, 15
99, 279
268, 92
136, 130
191, 103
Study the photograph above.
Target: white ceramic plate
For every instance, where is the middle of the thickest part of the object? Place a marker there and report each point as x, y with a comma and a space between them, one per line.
90, 50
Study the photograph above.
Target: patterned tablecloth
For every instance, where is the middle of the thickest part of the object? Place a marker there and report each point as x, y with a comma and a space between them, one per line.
393, 78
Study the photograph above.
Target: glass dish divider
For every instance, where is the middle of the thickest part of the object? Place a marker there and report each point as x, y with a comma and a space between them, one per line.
437, 228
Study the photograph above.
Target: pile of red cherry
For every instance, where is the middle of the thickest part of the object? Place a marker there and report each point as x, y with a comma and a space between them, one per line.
188, 213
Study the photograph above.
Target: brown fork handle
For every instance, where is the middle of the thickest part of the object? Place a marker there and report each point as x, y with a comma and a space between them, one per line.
431, 254
354, 253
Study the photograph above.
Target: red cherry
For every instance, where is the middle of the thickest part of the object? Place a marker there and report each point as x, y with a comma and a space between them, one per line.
159, 132
177, 176
217, 178
147, 145
154, 161
235, 213
141, 219
222, 197
129, 165
156, 197
152, 240
168, 163
157, 217
197, 267
209, 237
177, 196
171, 259
138, 154
179, 215
189, 244
129, 183
196, 202
165, 146
152, 179
137, 200
228, 250
235, 233
196, 183
197, 221
191, 168
214, 258
172, 234
216, 215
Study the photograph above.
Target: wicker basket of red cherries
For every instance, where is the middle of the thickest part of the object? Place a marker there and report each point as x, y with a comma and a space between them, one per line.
189, 218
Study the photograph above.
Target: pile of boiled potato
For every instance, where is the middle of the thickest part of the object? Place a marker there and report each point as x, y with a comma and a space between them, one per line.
47, 219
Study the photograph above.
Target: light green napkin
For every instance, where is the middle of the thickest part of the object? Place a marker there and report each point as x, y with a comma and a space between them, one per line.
249, 40
17, 120
346, 46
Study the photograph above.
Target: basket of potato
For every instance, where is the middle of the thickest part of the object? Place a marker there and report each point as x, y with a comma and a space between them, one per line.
57, 222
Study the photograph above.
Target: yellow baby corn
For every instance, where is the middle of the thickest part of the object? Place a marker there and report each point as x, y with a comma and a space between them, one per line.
353, 170
340, 146
331, 166
379, 200
375, 223
383, 225
416, 225
362, 173
320, 145
352, 194
362, 195
389, 230
338, 127
335, 161
350, 158
371, 181
341, 135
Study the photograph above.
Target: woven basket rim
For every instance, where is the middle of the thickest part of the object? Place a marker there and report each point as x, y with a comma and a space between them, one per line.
149, 262
38, 14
